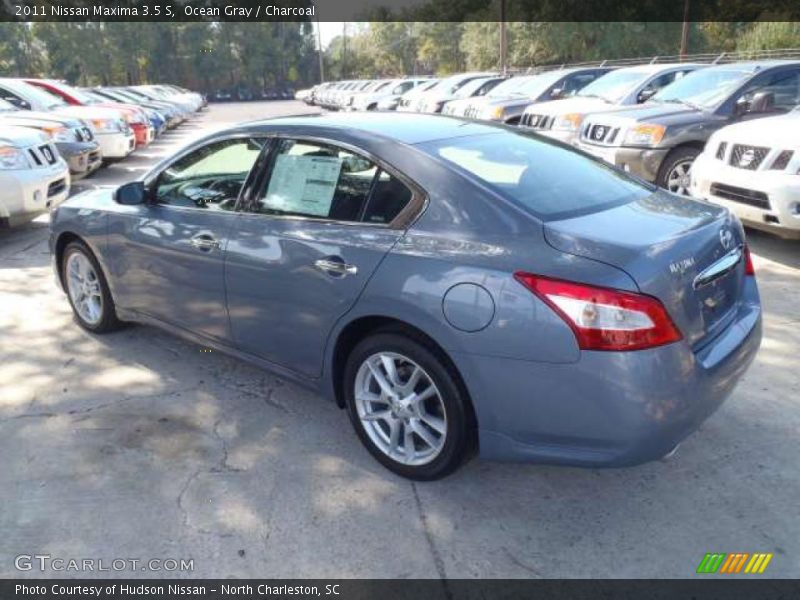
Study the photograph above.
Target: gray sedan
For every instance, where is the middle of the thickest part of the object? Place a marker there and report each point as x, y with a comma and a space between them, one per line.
458, 287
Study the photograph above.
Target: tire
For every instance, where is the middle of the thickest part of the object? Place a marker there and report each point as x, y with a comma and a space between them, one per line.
78, 261
674, 172
433, 436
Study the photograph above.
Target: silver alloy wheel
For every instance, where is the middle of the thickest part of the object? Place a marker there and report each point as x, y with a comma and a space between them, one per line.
400, 408
679, 177
83, 286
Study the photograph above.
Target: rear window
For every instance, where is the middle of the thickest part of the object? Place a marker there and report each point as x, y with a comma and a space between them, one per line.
545, 178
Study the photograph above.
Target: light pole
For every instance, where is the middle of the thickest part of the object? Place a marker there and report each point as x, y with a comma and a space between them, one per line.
503, 40
319, 54
685, 31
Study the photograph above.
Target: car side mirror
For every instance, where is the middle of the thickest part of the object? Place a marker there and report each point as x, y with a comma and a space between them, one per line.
645, 95
131, 194
557, 93
18, 102
762, 102
741, 107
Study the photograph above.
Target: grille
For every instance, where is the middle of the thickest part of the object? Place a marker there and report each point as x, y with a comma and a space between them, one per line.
43, 156
747, 157
600, 134
782, 160
741, 195
56, 187
723, 146
87, 134
79, 135
537, 121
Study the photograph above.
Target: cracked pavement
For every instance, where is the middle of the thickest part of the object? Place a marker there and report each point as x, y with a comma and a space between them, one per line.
139, 445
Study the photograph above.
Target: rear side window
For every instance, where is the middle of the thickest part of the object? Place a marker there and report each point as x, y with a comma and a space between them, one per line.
544, 177
323, 181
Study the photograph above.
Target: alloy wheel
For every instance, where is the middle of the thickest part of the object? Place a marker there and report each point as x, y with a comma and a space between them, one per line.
400, 408
84, 289
678, 179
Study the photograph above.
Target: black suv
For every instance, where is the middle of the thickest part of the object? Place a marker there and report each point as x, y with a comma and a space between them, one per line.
659, 140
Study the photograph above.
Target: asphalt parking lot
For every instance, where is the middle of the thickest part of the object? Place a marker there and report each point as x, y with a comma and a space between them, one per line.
139, 445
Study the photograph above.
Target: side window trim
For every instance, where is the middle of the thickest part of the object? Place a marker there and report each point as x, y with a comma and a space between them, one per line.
151, 179
412, 211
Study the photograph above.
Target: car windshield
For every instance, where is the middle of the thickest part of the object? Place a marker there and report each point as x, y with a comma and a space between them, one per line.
706, 88
537, 84
548, 180
40, 96
469, 88
614, 86
80, 95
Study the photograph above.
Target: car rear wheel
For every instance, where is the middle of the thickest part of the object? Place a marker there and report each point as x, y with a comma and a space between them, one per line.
675, 173
87, 290
406, 407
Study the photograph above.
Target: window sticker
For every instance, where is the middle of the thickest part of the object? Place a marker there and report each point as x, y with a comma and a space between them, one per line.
303, 184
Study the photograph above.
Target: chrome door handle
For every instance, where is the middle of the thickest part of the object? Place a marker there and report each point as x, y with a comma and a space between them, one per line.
204, 242
335, 266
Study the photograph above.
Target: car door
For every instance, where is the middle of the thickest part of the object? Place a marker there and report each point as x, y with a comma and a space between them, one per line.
312, 234
168, 253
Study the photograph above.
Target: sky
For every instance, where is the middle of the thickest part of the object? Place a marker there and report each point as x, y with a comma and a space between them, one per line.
330, 30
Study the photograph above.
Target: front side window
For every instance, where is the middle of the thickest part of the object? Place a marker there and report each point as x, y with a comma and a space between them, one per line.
323, 181
548, 180
210, 177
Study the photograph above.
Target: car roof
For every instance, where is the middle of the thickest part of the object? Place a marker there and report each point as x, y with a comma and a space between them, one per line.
406, 128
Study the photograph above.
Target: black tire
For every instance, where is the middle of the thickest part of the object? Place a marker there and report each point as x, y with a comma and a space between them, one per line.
108, 321
674, 159
459, 438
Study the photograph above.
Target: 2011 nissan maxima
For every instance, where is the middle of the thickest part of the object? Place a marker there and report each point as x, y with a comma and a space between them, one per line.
457, 286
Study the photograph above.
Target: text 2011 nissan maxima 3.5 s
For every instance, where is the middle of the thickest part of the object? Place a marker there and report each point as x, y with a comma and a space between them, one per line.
456, 286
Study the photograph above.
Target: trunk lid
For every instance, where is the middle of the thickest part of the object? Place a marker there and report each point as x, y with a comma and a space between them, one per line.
679, 250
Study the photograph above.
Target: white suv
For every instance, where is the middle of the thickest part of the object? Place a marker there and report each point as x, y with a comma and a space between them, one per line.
33, 176
753, 168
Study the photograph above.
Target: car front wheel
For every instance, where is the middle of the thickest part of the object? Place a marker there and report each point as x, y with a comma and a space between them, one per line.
406, 407
675, 173
88, 290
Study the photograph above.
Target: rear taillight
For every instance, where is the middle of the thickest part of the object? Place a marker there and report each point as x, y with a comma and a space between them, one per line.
605, 318
748, 262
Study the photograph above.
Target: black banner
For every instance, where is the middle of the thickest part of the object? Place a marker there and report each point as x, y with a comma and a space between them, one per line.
399, 10
418, 589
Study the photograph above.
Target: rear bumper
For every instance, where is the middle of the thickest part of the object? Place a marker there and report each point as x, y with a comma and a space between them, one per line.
609, 408
780, 191
642, 162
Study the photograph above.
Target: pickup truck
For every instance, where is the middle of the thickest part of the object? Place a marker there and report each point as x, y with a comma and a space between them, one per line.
33, 177
660, 140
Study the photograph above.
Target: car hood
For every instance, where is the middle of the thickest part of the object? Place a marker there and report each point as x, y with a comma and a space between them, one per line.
41, 119
571, 105
769, 132
507, 101
662, 114
90, 112
21, 137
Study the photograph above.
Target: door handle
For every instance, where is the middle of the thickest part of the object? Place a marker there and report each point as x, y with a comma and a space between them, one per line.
204, 242
338, 267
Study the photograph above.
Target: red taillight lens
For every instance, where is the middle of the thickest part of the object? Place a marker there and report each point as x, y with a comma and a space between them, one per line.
605, 318
748, 262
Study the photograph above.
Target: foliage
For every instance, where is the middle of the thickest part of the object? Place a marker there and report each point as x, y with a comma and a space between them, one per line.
211, 55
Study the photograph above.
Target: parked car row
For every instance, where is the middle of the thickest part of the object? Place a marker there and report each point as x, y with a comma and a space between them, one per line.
52, 133
651, 120
247, 94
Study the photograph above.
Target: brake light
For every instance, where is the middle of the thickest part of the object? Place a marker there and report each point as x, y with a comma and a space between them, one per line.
748, 262
605, 318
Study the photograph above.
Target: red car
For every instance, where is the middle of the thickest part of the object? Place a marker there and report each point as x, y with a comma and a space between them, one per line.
135, 116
